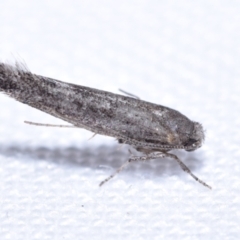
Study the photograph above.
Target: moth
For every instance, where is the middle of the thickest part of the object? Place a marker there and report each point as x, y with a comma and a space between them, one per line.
149, 128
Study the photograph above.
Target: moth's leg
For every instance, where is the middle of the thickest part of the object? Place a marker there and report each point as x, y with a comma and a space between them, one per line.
154, 156
132, 159
186, 169
148, 150
129, 94
49, 125
92, 136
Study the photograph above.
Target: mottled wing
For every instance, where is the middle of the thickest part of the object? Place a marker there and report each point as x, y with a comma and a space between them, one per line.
130, 120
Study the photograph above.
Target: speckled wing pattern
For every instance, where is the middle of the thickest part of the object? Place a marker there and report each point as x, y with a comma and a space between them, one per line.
130, 120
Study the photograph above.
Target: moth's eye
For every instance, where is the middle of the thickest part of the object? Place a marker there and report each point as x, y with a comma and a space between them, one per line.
191, 142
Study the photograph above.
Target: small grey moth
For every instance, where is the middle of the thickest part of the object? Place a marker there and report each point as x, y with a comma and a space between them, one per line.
150, 128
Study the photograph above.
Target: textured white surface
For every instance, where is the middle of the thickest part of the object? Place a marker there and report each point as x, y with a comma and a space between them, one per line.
182, 54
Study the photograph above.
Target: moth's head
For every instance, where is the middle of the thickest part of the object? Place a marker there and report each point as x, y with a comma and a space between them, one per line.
196, 138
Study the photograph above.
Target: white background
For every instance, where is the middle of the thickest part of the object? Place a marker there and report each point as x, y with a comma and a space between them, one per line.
181, 54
